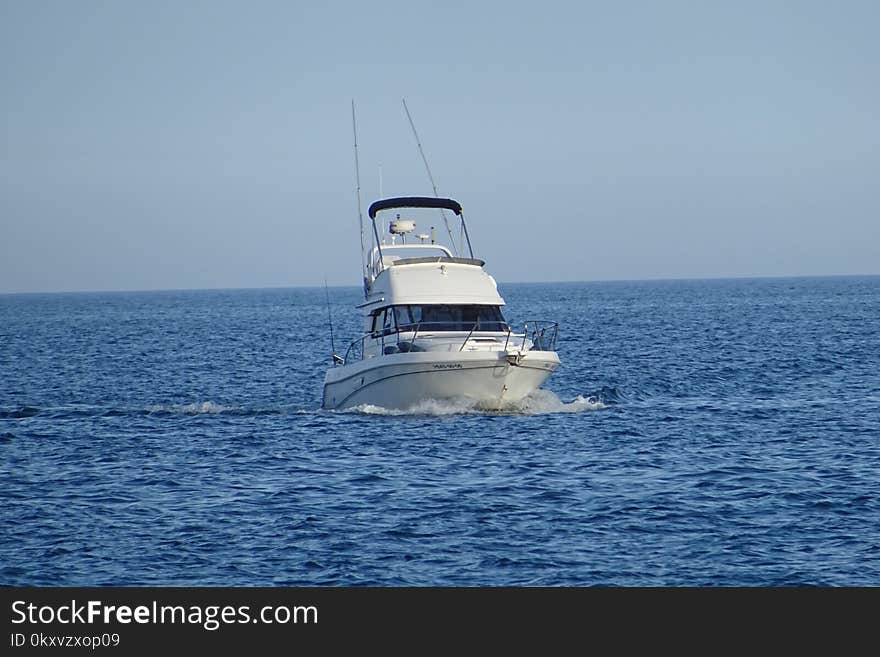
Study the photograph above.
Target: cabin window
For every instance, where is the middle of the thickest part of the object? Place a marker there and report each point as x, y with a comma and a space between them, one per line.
449, 317
383, 321
388, 321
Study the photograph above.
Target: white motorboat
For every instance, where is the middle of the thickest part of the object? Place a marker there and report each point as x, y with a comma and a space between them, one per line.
433, 325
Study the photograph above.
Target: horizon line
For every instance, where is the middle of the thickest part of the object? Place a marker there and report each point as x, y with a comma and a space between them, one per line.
552, 282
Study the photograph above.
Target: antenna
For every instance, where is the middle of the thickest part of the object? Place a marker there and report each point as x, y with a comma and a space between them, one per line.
357, 173
428, 169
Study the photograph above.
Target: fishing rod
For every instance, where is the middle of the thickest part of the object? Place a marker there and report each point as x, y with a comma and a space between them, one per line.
336, 358
428, 169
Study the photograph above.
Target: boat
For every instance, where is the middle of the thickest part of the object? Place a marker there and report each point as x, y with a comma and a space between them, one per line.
433, 326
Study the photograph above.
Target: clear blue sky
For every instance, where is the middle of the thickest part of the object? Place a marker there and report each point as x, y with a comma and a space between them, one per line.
152, 145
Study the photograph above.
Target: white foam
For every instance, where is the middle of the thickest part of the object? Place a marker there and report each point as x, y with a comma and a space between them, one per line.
197, 408
545, 401
537, 403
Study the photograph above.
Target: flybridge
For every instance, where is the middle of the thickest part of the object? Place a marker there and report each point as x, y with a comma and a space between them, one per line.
383, 255
418, 202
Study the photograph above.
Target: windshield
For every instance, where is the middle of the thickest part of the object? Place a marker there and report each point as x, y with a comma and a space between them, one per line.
438, 317
449, 317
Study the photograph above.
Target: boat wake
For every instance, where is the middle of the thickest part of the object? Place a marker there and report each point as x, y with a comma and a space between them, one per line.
212, 408
539, 402
198, 408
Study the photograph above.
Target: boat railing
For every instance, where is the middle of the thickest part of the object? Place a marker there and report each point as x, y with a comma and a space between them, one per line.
354, 352
541, 333
387, 345
449, 326
461, 348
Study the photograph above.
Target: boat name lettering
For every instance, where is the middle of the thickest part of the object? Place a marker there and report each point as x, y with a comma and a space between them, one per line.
447, 366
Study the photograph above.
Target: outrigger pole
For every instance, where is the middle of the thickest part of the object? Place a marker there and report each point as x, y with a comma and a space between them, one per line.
357, 173
428, 169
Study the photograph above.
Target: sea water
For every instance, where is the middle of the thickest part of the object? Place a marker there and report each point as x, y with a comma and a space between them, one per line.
718, 432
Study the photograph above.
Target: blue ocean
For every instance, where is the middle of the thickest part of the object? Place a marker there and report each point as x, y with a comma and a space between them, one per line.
698, 433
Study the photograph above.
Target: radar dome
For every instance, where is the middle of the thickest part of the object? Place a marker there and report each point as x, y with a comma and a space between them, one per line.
402, 226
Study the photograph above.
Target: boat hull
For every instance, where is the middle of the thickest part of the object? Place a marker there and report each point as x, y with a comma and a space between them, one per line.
402, 381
